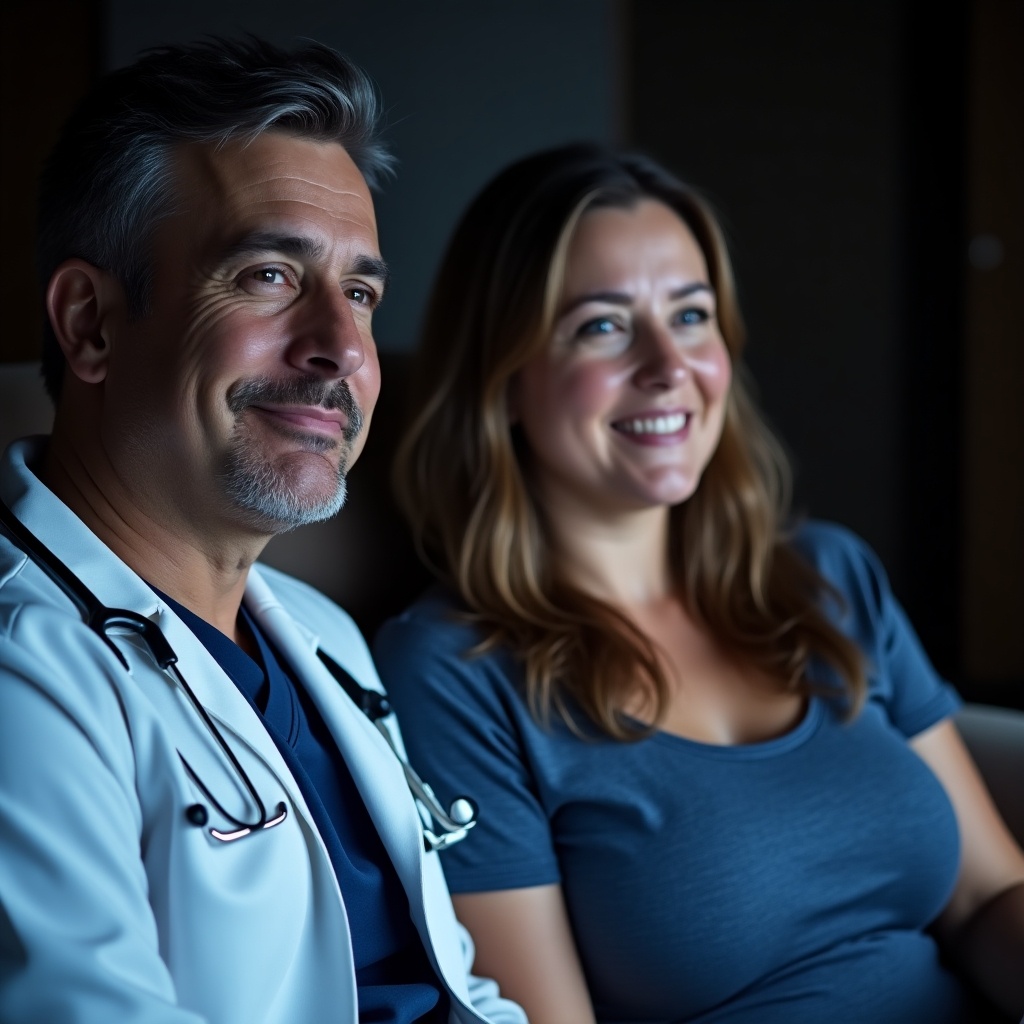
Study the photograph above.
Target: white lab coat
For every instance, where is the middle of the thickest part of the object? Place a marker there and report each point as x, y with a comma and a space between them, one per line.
112, 906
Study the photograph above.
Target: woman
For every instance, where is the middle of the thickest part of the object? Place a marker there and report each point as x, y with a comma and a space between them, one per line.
717, 775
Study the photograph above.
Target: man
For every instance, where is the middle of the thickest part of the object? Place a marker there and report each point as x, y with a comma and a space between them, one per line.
211, 830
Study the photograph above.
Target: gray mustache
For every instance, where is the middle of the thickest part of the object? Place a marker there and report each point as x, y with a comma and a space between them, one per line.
307, 390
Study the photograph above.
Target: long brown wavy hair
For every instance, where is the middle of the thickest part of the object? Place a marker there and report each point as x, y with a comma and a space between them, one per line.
461, 470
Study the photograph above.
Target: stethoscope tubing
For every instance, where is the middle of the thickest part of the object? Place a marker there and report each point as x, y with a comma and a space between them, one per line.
454, 823
99, 618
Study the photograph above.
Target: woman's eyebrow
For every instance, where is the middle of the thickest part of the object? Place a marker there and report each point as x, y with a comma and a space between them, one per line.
690, 289
625, 299
612, 298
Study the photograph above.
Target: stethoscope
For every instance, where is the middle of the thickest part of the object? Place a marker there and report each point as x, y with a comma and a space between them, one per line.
441, 828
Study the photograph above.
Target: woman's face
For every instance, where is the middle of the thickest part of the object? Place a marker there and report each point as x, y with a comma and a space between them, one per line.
624, 408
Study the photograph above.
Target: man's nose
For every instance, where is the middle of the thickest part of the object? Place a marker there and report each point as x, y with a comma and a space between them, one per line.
327, 337
663, 362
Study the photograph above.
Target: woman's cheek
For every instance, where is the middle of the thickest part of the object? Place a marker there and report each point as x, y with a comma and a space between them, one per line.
592, 387
712, 367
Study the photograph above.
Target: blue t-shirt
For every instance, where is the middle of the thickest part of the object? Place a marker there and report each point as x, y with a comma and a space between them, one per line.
394, 979
783, 882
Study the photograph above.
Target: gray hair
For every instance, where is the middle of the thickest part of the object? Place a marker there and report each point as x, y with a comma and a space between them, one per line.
107, 182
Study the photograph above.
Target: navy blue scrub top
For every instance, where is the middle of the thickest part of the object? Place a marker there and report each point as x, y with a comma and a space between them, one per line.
395, 981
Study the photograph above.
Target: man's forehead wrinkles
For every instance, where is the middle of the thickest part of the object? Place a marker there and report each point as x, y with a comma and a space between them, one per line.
300, 194
272, 178
315, 183
229, 169
279, 198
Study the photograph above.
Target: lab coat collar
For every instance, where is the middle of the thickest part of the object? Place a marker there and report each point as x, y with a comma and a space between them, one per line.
116, 585
113, 582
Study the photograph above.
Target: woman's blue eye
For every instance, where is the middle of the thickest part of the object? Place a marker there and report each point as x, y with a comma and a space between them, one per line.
692, 315
600, 326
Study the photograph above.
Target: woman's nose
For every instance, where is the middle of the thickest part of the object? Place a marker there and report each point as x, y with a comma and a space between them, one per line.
662, 362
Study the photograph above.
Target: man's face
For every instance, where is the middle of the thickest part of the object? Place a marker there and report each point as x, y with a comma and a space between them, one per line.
246, 391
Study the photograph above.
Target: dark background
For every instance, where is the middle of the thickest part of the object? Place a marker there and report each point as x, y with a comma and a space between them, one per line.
865, 158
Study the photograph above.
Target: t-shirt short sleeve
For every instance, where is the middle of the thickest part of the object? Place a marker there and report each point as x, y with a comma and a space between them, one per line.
901, 677
675, 855
467, 732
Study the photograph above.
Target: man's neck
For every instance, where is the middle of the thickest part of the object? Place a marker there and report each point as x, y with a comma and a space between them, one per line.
189, 559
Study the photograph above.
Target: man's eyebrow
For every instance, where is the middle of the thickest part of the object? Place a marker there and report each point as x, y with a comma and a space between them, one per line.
261, 243
373, 266
625, 299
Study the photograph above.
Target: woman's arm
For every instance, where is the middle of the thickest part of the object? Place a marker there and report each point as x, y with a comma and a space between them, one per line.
523, 941
983, 923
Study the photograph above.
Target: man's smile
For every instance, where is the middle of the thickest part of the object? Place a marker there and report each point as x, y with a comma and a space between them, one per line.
332, 422
306, 405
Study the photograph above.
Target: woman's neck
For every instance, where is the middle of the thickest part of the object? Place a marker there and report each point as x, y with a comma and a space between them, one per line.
622, 560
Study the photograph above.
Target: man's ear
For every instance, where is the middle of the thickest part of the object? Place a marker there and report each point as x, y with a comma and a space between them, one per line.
80, 300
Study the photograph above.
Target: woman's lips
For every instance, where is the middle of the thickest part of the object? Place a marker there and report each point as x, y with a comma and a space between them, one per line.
655, 428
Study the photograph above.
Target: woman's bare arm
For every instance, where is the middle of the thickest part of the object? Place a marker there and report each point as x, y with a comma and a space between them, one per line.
523, 941
984, 921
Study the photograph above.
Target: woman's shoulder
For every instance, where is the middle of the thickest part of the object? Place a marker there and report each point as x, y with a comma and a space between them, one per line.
435, 622
900, 674
430, 651
844, 559
829, 543
858, 598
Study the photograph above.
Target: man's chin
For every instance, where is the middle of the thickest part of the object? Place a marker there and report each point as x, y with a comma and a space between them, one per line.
274, 502
279, 514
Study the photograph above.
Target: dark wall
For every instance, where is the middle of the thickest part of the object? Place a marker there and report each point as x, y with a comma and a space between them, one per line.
788, 117
467, 87
831, 138
48, 59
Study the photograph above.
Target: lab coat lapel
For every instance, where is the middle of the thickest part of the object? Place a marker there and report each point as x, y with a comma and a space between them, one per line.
378, 775
377, 772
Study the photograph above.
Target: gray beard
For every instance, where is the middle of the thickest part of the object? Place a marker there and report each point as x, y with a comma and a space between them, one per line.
256, 488
263, 493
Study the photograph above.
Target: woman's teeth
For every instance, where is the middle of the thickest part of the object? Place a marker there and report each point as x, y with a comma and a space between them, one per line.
654, 424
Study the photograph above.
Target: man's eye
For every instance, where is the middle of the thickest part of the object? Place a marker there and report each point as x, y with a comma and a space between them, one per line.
362, 296
270, 275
